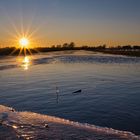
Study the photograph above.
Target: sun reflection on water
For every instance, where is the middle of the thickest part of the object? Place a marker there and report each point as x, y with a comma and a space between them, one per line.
26, 63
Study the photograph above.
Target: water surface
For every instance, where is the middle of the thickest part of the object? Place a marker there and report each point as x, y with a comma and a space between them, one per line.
110, 87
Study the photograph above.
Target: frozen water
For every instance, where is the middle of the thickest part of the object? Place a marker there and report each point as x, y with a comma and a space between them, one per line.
29, 125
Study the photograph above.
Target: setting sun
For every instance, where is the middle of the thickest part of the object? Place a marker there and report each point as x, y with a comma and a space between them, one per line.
24, 42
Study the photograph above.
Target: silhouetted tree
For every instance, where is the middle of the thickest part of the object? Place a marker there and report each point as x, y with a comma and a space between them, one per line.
72, 45
58, 46
118, 47
53, 46
127, 47
65, 45
136, 47
102, 47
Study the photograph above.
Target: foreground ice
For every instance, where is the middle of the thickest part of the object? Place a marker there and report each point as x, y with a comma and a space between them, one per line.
28, 125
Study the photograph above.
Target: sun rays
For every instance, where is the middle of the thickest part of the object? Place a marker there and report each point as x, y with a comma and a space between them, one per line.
24, 42
25, 45
24, 38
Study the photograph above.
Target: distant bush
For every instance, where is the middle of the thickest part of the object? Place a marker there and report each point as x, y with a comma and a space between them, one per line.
126, 50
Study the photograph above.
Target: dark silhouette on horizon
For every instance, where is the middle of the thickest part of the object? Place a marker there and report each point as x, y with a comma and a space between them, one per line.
119, 50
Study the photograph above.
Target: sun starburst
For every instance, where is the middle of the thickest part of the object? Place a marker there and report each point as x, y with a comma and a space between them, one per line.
24, 42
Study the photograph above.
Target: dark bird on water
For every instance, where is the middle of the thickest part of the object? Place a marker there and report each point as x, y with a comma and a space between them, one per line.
78, 91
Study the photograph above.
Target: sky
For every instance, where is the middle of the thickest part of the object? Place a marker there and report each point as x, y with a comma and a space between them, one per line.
85, 22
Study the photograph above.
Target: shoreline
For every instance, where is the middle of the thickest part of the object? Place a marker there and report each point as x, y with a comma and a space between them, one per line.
8, 51
125, 53
30, 125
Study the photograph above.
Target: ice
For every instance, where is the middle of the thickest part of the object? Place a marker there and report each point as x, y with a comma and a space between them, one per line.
74, 58
29, 125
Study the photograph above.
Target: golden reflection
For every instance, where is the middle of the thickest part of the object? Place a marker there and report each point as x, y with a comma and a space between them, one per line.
26, 63
14, 126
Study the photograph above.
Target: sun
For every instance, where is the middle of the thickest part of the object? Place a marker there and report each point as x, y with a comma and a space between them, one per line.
24, 42
24, 46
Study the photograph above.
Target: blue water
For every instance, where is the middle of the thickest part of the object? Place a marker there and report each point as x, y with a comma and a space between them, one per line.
110, 87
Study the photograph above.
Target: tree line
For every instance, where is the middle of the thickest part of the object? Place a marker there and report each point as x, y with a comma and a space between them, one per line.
72, 46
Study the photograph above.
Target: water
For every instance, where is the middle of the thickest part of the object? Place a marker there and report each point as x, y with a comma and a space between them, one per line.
110, 87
